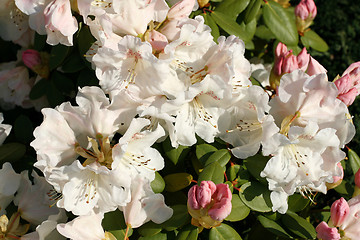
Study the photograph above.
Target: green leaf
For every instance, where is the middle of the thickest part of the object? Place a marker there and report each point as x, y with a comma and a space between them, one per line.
313, 40
39, 89
232, 7
39, 41
175, 154
232, 172
264, 33
23, 129
11, 152
296, 202
179, 218
221, 156
280, 23
149, 229
345, 188
256, 196
87, 78
212, 172
159, 236
255, 165
177, 181
62, 82
57, 56
74, 63
114, 222
298, 225
273, 227
85, 39
239, 210
354, 161
223, 232
203, 152
54, 96
189, 232
230, 26
252, 10
212, 24
158, 184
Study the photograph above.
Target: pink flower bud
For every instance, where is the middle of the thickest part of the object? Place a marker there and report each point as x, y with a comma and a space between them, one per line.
339, 211
209, 204
181, 9
354, 73
222, 207
280, 50
303, 59
337, 179
31, 58
290, 63
357, 178
157, 40
346, 90
327, 233
315, 67
306, 9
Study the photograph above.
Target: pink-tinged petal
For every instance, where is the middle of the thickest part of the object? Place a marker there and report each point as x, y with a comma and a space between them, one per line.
181, 9
306, 9
349, 97
222, 207
31, 58
290, 64
344, 84
278, 66
157, 40
315, 67
303, 59
205, 192
281, 49
192, 201
339, 178
354, 73
326, 233
339, 211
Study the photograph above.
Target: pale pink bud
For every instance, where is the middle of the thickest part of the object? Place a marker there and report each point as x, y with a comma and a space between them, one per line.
346, 90
222, 207
357, 178
181, 9
278, 66
31, 58
290, 63
354, 73
303, 59
327, 233
339, 211
200, 196
157, 40
280, 50
306, 9
315, 67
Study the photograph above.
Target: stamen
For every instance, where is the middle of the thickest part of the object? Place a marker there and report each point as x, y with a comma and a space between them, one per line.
202, 113
101, 3
246, 125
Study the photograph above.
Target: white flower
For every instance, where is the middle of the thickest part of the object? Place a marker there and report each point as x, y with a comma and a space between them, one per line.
4, 130
134, 154
244, 124
145, 205
9, 184
85, 228
301, 163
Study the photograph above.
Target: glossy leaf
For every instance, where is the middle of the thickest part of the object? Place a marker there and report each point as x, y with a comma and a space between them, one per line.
158, 184
298, 225
177, 181
179, 218
273, 227
73, 63
159, 236
223, 232
256, 196
57, 56
264, 33
239, 210
232, 172
221, 156
39, 89
252, 10
313, 40
255, 165
62, 82
297, 202
175, 154
149, 229
190, 232
114, 222
212, 172
212, 24
203, 152
354, 161
280, 23
232, 7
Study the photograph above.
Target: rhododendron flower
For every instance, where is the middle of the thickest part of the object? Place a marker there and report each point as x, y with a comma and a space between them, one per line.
85, 228
9, 184
4, 129
305, 13
209, 204
325, 232
348, 85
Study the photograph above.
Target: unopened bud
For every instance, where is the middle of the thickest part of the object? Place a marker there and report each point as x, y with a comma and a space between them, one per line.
339, 211
315, 67
181, 9
36, 61
325, 232
209, 204
305, 13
